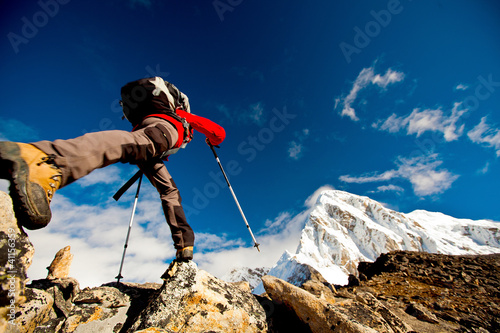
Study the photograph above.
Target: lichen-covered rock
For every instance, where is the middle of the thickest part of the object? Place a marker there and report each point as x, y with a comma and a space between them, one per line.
100, 309
320, 315
16, 254
59, 268
192, 300
64, 291
32, 313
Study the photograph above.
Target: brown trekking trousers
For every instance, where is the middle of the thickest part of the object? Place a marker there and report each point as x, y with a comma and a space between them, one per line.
79, 156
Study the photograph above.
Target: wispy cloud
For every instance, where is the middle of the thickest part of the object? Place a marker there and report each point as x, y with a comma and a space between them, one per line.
483, 133
484, 170
366, 78
15, 130
296, 147
422, 172
256, 112
247, 72
461, 86
252, 113
421, 121
108, 175
388, 188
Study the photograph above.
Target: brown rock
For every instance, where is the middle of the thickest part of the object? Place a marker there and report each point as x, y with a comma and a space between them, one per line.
318, 314
192, 300
59, 268
16, 254
32, 313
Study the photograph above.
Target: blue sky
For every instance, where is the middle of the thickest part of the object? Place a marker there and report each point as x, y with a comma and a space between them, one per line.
395, 100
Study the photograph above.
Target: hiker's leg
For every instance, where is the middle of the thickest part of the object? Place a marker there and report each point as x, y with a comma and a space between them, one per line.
37, 170
157, 173
79, 156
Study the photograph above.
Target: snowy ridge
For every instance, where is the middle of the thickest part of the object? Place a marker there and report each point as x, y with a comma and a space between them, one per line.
344, 229
251, 275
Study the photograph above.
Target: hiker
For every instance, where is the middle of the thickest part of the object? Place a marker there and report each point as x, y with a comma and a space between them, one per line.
162, 123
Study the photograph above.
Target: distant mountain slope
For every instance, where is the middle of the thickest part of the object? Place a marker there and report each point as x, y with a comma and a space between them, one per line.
345, 229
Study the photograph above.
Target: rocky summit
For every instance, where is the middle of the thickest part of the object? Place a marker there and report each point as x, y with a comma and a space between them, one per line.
401, 291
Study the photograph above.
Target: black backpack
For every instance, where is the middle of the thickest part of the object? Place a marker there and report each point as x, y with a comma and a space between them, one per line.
148, 96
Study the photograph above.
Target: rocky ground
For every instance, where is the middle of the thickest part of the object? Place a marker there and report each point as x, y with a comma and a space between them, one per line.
451, 293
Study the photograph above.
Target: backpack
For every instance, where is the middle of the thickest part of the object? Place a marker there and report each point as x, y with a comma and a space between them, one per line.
148, 96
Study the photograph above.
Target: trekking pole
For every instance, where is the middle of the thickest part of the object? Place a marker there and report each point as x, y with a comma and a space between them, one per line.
119, 276
234, 196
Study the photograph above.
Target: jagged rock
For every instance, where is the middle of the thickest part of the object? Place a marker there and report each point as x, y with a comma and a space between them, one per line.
421, 313
318, 314
59, 268
63, 291
243, 285
320, 290
32, 313
108, 297
192, 300
99, 309
367, 310
16, 254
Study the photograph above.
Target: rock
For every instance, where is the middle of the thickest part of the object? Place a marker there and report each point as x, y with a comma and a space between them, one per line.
450, 288
16, 254
63, 291
32, 313
319, 290
192, 300
421, 313
100, 309
108, 297
318, 314
243, 285
59, 268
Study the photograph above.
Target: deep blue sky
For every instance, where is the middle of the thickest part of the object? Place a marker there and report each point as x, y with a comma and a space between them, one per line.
421, 78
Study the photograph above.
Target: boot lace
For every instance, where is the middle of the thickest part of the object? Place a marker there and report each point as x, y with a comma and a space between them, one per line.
57, 178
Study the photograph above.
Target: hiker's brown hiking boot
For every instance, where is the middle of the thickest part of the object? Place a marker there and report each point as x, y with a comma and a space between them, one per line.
184, 254
34, 178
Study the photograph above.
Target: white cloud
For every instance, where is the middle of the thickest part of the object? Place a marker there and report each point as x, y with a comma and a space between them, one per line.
422, 172
461, 86
388, 188
421, 121
483, 133
97, 234
256, 113
295, 150
296, 147
365, 78
15, 130
484, 170
108, 175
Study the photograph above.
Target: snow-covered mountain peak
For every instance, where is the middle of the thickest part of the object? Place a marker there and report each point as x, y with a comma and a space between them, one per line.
344, 229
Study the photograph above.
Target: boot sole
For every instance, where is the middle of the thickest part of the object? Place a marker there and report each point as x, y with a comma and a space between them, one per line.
29, 199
